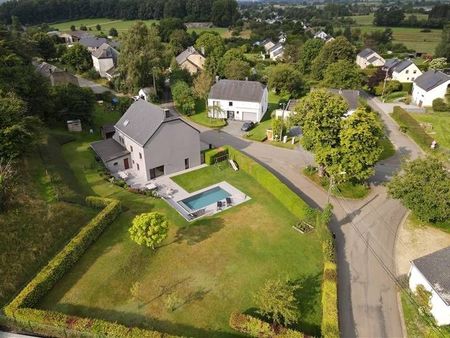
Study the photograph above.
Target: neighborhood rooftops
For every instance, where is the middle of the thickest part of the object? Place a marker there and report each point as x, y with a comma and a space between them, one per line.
350, 96
236, 90
141, 121
366, 52
92, 42
435, 268
431, 79
109, 149
184, 55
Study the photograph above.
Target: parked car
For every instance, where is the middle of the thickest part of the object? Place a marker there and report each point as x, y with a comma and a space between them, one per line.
247, 126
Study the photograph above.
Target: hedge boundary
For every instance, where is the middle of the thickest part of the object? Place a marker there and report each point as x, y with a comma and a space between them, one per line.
255, 327
21, 311
271, 183
413, 128
330, 322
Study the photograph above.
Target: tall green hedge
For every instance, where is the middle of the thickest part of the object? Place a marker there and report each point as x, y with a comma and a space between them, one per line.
212, 154
407, 87
279, 190
412, 127
330, 324
21, 310
255, 327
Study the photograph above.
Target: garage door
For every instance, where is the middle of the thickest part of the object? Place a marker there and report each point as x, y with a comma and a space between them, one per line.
248, 116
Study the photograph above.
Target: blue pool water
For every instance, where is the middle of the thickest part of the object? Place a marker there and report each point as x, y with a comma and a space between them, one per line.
205, 198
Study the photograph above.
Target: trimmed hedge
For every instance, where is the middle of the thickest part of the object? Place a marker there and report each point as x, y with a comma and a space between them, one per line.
407, 87
212, 154
330, 324
279, 190
255, 327
58, 324
412, 127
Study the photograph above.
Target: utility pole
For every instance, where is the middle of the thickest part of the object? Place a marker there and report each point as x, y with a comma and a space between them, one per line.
384, 83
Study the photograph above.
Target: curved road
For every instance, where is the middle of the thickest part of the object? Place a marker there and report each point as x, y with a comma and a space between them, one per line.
365, 229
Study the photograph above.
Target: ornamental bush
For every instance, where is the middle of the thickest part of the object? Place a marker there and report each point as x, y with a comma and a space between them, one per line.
439, 105
149, 229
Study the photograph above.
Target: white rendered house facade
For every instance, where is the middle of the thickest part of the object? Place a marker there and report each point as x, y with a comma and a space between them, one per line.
238, 100
430, 86
409, 74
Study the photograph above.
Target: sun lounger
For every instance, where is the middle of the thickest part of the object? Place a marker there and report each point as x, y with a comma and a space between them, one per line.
219, 205
229, 201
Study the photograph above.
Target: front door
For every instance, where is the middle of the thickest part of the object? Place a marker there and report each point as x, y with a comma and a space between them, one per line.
126, 164
230, 115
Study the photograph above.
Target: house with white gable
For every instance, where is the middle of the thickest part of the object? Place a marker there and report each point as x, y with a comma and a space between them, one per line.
430, 85
191, 60
276, 52
238, 100
402, 70
323, 36
267, 44
433, 273
104, 59
149, 142
368, 57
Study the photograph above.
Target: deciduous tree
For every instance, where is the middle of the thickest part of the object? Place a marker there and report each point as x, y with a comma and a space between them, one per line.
149, 229
202, 85
224, 13
423, 185
78, 57
309, 52
342, 74
276, 299
285, 79
183, 97
236, 70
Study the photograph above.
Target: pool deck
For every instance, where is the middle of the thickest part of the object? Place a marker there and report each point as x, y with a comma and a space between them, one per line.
172, 193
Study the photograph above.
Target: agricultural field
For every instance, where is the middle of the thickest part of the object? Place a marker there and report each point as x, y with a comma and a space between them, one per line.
411, 37
123, 25
203, 271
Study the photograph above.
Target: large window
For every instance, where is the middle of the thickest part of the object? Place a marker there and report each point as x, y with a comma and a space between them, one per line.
186, 163
156, 172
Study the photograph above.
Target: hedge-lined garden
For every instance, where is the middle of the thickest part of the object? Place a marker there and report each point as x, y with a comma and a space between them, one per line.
412, 128
21, 311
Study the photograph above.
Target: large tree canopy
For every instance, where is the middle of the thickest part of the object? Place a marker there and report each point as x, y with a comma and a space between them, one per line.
140, 56
423, 186
342, 74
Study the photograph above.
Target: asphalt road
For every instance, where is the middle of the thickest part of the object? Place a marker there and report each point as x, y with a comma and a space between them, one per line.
365, 229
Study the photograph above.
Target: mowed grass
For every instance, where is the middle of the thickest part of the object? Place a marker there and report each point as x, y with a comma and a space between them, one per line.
208, 268
38, 223
441, 126
411, 37
123, 26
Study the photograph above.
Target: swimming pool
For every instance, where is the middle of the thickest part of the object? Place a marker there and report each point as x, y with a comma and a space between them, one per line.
205, 198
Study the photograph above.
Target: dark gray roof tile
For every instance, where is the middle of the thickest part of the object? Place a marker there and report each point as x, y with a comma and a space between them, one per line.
431, 79
236, 90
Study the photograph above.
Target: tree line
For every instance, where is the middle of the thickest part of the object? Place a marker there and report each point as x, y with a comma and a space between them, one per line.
222, 13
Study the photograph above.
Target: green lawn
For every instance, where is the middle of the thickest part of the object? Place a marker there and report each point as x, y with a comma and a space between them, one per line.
211, 267
259, 132
417, 324
345, 190
201, 117
440, 122
42, 217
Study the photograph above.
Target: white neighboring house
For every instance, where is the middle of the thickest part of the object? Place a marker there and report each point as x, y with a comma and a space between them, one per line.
323, 36
276, 52
267, 44
104, 59
238, 100
350, 96
430, 85
150, 142
368, 57
402, 70
433, 272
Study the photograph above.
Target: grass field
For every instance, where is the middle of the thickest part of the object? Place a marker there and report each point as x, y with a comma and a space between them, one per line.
39, 222
411, 37
123, 25
441, 126
209, 268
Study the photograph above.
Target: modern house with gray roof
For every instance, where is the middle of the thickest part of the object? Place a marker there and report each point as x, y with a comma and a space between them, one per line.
238, 100
368, 57
402, 70
149, 142
429, 86
433, 273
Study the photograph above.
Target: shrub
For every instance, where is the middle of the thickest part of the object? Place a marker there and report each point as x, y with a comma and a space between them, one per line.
409, 125
330, 326
255, 327
392, 86
439, 105
279, 190
212, 154
407, 87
